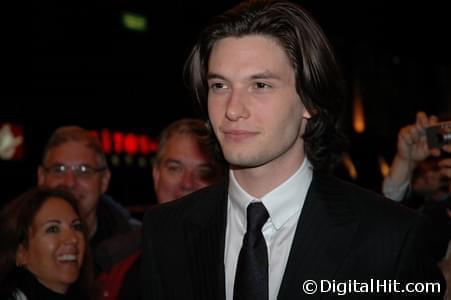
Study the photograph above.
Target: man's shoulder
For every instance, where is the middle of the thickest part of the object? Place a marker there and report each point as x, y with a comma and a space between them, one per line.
112, 211
369, 205
112, 219
199, 205
377, 219
110, 252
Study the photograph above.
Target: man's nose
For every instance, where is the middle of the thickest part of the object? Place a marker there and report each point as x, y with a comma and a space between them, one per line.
69, 179
236, 107
188, 181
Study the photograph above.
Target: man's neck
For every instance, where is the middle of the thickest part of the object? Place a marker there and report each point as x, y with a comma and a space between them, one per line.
261, 180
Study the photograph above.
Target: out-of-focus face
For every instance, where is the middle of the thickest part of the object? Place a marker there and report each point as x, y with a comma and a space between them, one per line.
255, 110
86, 187
431, 182
56, 245
183, 169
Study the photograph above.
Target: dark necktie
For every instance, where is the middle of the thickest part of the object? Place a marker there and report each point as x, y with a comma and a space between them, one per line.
251, 277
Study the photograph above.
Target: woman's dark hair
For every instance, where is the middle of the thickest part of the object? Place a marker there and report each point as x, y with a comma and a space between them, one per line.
16, 218
318, 78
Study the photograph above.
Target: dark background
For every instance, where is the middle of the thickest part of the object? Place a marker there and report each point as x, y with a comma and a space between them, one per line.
86, 68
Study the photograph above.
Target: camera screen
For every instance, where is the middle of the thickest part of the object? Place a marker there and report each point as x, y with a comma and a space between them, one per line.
439, 135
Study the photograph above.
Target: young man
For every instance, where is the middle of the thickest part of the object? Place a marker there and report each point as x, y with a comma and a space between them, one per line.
266, 74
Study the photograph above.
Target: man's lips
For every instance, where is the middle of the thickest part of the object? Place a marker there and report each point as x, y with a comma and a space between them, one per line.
238, 134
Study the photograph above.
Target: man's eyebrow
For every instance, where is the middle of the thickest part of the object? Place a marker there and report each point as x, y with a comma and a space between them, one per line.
172, 161
215, 76
265, 75
261, 75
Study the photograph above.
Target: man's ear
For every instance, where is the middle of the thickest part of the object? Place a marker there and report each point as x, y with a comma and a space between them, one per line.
155, 175
105, 180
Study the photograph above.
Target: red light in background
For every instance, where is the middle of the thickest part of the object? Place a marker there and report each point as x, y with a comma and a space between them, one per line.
106, 141
153, 146
118, 139
131, 144
144, 144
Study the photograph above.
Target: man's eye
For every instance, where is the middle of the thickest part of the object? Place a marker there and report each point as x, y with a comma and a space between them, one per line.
217, 86
59, 169
85, 169
52, 229
205, 174
262, 85
174, 168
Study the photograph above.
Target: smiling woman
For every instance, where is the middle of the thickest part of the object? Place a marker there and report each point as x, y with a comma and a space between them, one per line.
43, 252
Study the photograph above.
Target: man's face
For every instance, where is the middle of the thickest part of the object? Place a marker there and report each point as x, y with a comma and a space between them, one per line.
86, 188
253, 105
183, 169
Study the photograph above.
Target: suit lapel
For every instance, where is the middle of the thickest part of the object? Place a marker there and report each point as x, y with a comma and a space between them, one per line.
323, 236
205, 239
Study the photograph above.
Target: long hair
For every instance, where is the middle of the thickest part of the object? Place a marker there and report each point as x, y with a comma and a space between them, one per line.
16, 218
318, 78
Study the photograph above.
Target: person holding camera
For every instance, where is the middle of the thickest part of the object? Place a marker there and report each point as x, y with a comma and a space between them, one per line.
417, 168
420, 178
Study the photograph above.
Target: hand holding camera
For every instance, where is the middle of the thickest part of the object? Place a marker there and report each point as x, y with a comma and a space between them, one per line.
426, 140
412, 146
439, 135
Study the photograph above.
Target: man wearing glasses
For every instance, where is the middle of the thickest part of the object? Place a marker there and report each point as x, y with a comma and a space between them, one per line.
73, 159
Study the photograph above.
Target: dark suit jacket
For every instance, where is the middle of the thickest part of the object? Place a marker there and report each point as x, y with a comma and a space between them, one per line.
344, 233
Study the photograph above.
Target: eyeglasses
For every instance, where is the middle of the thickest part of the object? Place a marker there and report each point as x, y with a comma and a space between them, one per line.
81, 171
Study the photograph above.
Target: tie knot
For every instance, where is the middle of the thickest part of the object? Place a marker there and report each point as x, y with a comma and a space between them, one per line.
256, 216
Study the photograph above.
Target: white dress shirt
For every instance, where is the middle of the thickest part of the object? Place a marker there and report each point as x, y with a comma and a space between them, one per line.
284, 205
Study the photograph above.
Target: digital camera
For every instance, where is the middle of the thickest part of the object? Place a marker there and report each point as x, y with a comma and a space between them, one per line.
439, 134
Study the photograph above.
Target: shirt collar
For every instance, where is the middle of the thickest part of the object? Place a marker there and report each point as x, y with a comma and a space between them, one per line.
282, 202
239, 198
